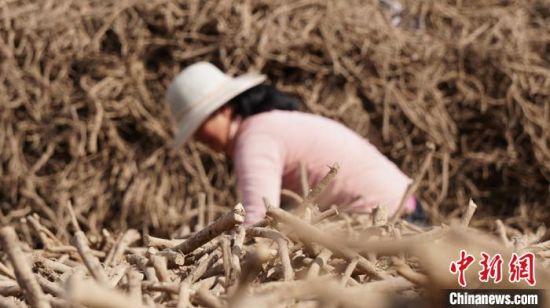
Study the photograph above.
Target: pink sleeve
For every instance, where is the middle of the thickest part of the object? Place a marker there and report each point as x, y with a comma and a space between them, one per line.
259, 166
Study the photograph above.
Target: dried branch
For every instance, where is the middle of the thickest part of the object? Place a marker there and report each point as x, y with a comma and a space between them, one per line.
319, 262
312, 234
316, 191
282, 243
469, 213
92, 263
115, 254
23, 273
161, 243
203, 265
222, 224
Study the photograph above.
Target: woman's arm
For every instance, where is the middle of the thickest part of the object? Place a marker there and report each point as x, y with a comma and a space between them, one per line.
259, 164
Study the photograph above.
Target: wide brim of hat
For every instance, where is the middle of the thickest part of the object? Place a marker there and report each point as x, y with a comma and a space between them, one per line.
194, 118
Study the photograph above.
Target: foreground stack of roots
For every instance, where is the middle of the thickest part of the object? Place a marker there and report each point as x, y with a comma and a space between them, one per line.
312, 259
97, 212
83, 118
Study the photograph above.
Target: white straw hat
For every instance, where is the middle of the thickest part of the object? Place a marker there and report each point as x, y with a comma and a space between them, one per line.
198, 91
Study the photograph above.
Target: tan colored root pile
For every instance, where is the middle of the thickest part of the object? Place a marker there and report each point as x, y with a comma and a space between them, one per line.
82, 116
317, 259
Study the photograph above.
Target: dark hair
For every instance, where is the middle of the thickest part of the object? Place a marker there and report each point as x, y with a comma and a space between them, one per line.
262, 98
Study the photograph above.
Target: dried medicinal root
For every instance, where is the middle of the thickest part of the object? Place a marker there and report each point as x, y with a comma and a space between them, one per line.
23, 273
92, 263
237, 267
469, 213
222, 224
315, 235
282, 244
161, 243
82, 123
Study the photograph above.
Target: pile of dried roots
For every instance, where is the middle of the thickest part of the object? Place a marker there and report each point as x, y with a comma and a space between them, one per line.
83, 118
316, 259
84, 133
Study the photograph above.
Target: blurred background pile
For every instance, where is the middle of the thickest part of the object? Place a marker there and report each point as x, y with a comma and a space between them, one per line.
83, 118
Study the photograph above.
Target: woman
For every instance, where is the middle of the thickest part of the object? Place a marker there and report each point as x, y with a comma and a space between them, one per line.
262, 131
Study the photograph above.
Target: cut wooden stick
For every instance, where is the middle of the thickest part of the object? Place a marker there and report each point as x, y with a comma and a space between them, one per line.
92, 263
72, 214
320, 260
238, 238
23, 272
252, 265
313, 234
282, 244
161, 268
333, 211
210, 210
49, 236
222, 224
321, 186
139, 261
206, 248
227, 266
161, 243
25, 230
349, 270
51, 264
203, 265
201, 206
465, 221
117, 275
380, 221
174, 258
35, 225
380, 216
117, 251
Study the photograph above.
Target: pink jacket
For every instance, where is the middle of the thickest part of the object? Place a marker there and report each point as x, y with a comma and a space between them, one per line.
269, 146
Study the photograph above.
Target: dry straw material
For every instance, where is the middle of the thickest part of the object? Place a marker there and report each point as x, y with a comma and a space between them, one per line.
82, 117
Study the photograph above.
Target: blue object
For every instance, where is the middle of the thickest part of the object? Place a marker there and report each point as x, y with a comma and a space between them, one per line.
418, 217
